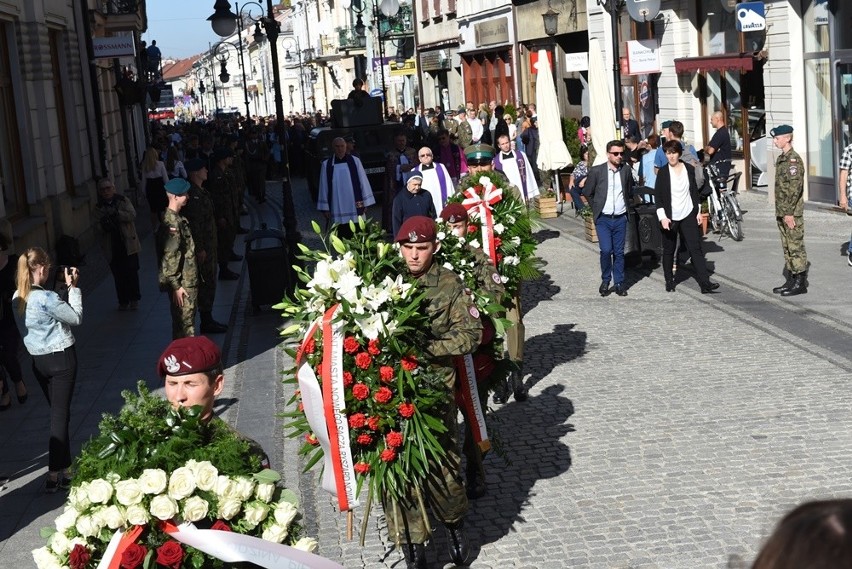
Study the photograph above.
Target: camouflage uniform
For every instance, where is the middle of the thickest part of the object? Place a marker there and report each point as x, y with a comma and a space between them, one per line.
452, 127
456, 330
464, 134
178, 269
221, 186
789, 200
199, 212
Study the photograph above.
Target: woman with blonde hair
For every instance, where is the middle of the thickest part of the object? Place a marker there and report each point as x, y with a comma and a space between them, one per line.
45, 321
155, 175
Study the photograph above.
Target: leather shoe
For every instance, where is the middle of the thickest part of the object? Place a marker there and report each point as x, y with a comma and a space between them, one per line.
235, 257
227, 274
670, 286
459, 548
709, 288
415, 555
620, 290
213, 327
604, 289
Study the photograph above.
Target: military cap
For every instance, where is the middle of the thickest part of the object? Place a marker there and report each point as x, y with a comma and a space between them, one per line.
781, 129
185, 356
177, 186
195, 165
450, 112
479, 152
667, 124
454, 213
417, 229
221, 153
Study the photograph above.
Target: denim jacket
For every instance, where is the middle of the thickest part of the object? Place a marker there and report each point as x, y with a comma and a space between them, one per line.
46, 324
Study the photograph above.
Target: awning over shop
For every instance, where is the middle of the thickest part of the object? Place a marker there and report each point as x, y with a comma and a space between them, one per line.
722, 62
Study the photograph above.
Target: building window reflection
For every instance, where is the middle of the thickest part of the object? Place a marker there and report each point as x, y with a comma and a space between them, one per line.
820, 158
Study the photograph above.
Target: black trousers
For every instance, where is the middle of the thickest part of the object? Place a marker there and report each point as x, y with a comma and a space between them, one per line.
690, 235
56, 374
125, 273
10, 343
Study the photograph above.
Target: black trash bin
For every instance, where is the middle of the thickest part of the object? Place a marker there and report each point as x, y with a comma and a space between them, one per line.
648, 230
268, 266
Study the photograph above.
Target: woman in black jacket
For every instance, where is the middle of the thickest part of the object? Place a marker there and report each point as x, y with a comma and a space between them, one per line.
678, 212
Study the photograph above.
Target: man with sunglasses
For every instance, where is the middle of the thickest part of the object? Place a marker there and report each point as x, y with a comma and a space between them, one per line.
608, 189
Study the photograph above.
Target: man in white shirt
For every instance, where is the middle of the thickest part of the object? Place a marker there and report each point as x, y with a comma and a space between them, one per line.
436, 178
516, 166
476, 127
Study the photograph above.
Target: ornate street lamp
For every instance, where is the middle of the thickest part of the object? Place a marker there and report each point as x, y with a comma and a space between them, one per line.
551, 20
288, 57
223, 21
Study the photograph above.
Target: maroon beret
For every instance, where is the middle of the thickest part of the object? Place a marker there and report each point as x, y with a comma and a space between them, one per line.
454, 212
417, 229
184, 356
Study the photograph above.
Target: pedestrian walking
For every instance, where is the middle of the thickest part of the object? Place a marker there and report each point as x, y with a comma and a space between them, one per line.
789, 212
10, 337
115, 224
155, 175
178, 274
844, 190
608, 190
174, 166
44, 319
256, 156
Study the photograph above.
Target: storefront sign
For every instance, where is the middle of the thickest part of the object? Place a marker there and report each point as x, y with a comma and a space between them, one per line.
106, 48
821, 12
408, 67
436, 60
493, 32
751, 17
643, 56
577, 61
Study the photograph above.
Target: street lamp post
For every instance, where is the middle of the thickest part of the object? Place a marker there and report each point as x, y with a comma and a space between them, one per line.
223, 20
289, 59
613, 8
219, 51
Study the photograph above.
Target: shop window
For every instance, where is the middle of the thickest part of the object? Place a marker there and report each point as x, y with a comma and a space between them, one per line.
820, 156
11, 166
815, 24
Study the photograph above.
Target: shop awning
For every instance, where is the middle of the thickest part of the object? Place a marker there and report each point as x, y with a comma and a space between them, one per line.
722, 62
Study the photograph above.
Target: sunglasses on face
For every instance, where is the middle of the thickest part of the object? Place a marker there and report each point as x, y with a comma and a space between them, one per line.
616, 153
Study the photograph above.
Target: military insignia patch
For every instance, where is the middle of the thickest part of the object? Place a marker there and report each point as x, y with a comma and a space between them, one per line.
173, 230
496, 278
172, 365
793, 170
412, 236
474, 312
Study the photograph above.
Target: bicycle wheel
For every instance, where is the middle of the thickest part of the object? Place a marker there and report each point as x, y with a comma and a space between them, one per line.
735, 227
715, 222
736, 204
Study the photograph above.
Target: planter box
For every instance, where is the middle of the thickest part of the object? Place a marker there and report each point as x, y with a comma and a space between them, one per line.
546, 207
705, 219
591, 231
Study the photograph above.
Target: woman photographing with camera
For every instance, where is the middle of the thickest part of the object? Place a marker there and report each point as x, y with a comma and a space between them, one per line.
45, 321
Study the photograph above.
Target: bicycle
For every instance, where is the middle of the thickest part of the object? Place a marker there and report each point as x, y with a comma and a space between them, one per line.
723, 207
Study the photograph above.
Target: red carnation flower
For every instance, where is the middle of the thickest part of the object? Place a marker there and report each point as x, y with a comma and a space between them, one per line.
386, 374
383, 395
406, 410
409, 363
374, 348
364, 439
79, 557
348, 380
363, 360
133, 556
472, 229
497, 241
312, 439
351, 345
357, 421
360, 391
388, 455
170, 554
373, 423
499, 257
310, 346
362, 468
221, 526
394, 439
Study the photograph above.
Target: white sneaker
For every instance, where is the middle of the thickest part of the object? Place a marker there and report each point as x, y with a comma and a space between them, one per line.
849, 259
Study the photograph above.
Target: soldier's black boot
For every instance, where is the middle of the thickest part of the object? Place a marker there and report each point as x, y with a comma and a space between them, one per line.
415, 555
459, 547
518, 388
475, 485
799, 286
787, 284
501, 392
210, 326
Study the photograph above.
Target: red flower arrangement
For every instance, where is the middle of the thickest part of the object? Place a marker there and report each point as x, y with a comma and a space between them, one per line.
133, 556
80, 557
170, 554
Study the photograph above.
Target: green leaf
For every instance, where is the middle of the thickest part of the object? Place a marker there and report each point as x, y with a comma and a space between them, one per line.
267, 476
288, 495
316, 227
46, 533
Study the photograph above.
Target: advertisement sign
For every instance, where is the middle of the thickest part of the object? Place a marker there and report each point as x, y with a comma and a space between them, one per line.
409, 67
577, 61
106, 48
751, 17
643, 56
493, 32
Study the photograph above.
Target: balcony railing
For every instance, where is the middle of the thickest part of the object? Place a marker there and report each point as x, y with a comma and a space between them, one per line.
348, 39
124, 15
121, 7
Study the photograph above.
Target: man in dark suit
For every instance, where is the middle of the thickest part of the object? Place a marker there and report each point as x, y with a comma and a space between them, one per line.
629, 127
608, 189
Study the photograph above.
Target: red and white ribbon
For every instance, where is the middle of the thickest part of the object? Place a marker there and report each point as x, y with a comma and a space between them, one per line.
325, 410
468, 392
482, 205
230, 547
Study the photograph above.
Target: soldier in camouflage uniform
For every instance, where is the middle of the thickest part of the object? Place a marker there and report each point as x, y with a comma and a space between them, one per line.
202, 223
178, 274
455, 331
238, 171
451, 124
220, 184
789, 210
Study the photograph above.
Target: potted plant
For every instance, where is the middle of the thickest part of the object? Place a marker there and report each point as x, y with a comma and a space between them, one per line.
591, 232
546, 204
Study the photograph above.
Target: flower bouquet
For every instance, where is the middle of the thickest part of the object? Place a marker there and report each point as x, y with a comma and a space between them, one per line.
159, 487
365, 405
499, 224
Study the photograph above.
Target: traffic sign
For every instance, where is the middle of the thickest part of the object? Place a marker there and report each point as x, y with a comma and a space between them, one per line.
751, 17
376, 93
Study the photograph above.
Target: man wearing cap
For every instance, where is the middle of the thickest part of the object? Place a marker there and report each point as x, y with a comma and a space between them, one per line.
220, 185
455, 331
414, 201
200, 214
193, 375
436, 179
480, 159
344, 190
178, 273
516, 166
451, 124
789, 212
